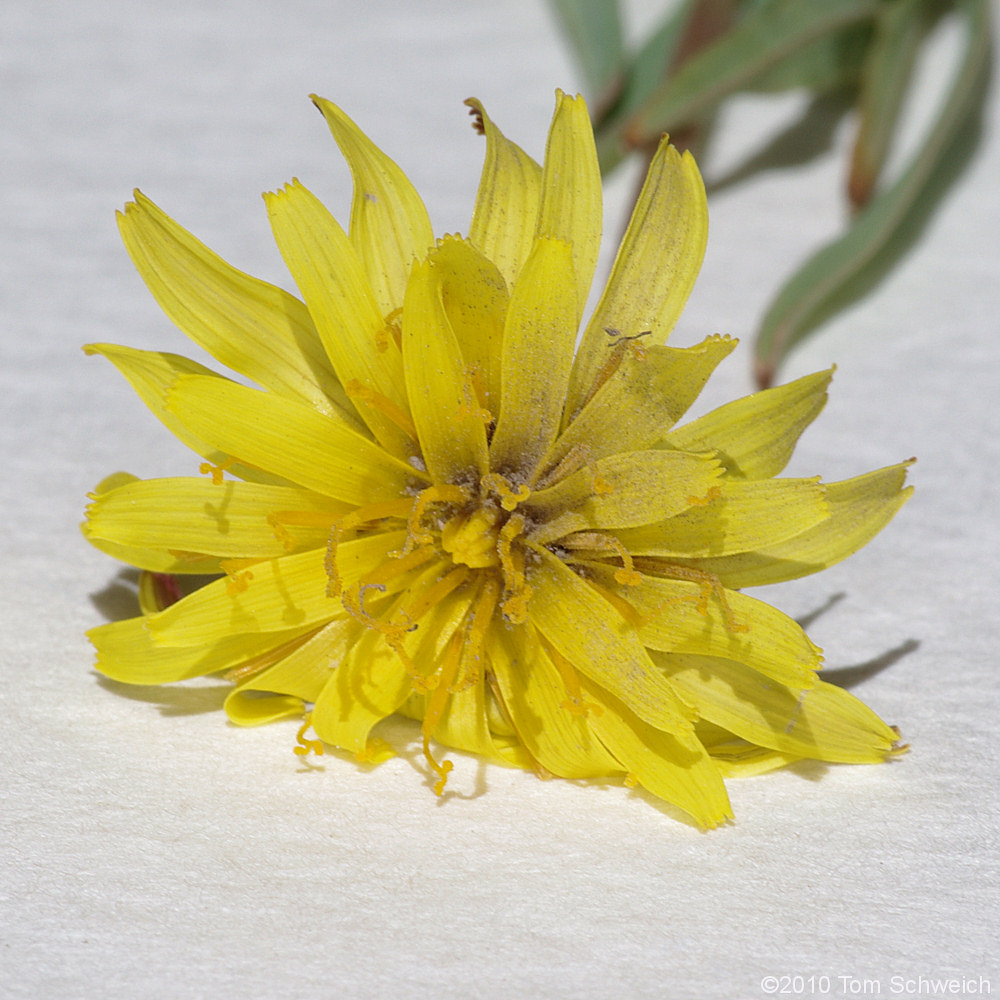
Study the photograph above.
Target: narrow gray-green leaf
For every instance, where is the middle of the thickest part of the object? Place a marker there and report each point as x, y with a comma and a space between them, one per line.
846, 268
831, 61
643, 74
768, 34
899, 30
594, 31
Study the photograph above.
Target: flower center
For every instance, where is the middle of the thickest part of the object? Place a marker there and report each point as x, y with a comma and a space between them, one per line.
472, 538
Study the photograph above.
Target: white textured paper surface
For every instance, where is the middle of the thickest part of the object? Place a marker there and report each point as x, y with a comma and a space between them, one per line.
152, 850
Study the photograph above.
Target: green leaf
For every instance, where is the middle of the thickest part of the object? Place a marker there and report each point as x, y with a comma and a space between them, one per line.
810, 136
879, 235
832, 61
770, 33
644, 73
594, 31
899, 30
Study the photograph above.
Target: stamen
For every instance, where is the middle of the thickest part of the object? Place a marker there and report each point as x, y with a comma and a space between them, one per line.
628, 611
434, 594
393, 632
517, 591
575, 459
354, 604
396, 567
408, 616
574, 702
709, 583
298, 519
437, 703
258, 664
377, 401
239, 573
433, 494
598, 541
509, 500
442, 770
370, 512
714, 493
375, 750
216, 471
390, 332
479, 626
305, 746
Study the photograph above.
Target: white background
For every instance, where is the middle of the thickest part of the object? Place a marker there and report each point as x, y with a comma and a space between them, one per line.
152, 850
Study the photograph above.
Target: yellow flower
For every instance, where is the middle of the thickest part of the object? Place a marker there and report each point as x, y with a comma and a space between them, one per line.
433, 505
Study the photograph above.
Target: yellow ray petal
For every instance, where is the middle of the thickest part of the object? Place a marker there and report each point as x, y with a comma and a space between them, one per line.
643, 392
298, 677
351, 323
155, 560
859, 509
560, 739
464, 725
389, 224
475, 300
755, 436
570, 209
368, 686
289, 440
680, 773
735, 757
290, 592
745, 515
253, 327
537, 354
198, 516
151, 374
446, 412
127, 652
656, 266
639, 487
679, 619
371, 683
823, 723
588, 631
506, 212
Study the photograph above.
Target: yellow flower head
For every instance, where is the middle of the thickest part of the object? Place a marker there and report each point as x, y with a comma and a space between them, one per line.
433, 505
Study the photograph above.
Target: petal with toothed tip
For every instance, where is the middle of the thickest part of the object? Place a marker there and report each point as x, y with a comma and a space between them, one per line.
446, 411
656, 266
586, 629
680, 773
755, 436
859, 509
570, 208
638, 396
253, 327
534, 696
196, 515
389, 224
290, 592
288, 439
506, 212
824, 723
353, 327
536, 357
